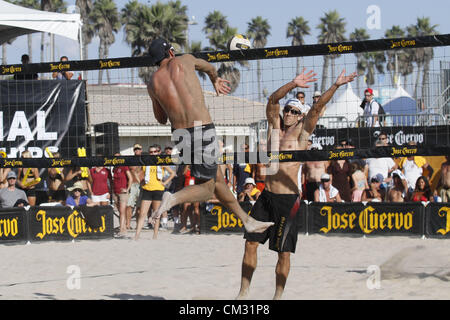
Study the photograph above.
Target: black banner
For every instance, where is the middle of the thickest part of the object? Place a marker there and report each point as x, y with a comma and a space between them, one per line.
371, 219
41, 114
438, 220
430, 136
64, 223
13, 225
233, 158
217, 219
251, 54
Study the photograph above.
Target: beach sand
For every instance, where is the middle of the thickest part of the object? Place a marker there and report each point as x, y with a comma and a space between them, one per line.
208, 266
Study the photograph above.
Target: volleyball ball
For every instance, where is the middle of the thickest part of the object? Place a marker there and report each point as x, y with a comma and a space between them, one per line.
239, 42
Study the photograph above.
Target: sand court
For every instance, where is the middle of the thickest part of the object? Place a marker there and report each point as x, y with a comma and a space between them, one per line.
208, 266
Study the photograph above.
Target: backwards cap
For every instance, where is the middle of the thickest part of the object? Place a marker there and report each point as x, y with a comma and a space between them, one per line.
297, 104
159, 50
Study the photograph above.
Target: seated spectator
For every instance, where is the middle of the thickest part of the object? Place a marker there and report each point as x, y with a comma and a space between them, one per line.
383, 166
326, 192
250, 192
374, 193
359, 181
77, 196
399, 190
444, 181
413, 168
422, 191
10, 195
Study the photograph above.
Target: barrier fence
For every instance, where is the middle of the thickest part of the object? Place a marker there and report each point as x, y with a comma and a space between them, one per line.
55, 224
370, 219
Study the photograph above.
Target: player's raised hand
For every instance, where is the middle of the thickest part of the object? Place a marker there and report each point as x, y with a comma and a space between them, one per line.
222, 86
343, 79
303, 79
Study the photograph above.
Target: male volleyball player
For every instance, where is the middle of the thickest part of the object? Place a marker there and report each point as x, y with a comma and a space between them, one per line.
177, 96
280, 200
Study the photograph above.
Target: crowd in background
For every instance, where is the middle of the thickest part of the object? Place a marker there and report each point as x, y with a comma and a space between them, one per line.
139, 189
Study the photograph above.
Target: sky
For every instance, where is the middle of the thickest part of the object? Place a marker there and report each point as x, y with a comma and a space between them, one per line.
278, 13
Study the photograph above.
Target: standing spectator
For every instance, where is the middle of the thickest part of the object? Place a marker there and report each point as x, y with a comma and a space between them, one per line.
301, 96
55, 182
137, 176
191, 210
101, 180
10, 195
3, 174
399, 191
374, 193
250, 192
359, 181
422, 191
61, 75
413, 168
152, 192
313, 173
316, 97
27, 179
241, 172
121, 185
226, 168
371, 108
25, 76
340, 171
170, 187
444, 182
326, 192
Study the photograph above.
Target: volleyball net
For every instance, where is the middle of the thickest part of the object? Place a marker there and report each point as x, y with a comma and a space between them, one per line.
105, 108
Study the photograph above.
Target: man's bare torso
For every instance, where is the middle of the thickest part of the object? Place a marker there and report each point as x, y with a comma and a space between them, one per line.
285, 180
177, 89
314, 170
445, 172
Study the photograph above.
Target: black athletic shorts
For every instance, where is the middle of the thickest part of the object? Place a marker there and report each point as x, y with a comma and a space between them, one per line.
201, 144
283, 210
152, 195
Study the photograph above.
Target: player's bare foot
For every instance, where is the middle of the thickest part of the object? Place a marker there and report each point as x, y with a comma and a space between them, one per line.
255, 226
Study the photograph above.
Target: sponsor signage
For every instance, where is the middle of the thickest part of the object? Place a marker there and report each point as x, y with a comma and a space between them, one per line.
438, 220
53, 224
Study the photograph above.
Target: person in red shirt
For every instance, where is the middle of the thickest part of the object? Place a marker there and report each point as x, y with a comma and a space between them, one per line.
191, 210
99, 178
122, 180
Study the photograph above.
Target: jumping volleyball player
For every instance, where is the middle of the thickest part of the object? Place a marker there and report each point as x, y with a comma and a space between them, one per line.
177, 96
280, 201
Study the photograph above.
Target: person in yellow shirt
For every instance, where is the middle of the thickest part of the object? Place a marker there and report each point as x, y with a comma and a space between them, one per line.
412, 168
250, 193
152, 192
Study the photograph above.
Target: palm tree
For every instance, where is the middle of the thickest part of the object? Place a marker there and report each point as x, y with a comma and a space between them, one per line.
297, 29
422, 56
105, 19
372, 62
218, 32
86, 7
151, 22
393, 55
32, 4
359, 35
258, 30
332, 30
127, 14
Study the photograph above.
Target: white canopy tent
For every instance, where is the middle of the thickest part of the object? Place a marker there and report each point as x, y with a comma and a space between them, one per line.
16, 21
344, 111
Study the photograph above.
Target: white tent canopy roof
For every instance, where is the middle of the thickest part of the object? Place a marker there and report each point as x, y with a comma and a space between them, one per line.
347, 104
399, 93
16, 21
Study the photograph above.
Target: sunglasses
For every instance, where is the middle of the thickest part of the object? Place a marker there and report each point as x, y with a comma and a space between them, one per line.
137, 149
292, 111
323, 180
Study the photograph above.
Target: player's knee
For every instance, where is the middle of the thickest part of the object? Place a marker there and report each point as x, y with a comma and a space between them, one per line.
251, 246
